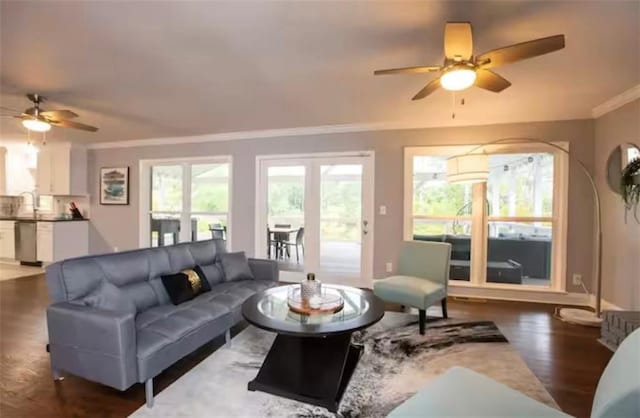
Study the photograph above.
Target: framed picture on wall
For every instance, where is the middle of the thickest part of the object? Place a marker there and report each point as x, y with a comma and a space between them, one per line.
114, 186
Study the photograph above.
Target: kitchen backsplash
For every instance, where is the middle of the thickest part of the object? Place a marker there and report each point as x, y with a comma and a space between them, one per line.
9, 205
54, 206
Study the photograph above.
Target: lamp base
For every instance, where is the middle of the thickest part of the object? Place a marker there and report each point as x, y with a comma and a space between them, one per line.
579, 317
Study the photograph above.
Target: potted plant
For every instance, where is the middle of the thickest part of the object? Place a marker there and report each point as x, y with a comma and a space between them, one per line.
630, 185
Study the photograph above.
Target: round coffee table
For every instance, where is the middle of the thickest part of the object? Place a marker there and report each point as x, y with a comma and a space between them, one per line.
312, 357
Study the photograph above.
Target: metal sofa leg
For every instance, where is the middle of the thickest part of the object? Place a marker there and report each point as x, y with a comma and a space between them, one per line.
57, 374
422, 314
444, 308
227, 338
148, 391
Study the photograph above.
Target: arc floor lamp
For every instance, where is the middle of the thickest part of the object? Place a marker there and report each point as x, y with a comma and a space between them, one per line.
473, 167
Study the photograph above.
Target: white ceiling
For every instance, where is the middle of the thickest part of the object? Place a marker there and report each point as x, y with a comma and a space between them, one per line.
161, 69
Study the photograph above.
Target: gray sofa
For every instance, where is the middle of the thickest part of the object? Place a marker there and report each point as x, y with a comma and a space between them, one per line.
118, 347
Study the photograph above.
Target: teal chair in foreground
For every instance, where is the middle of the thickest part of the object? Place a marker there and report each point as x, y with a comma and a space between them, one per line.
461, 392
422, 280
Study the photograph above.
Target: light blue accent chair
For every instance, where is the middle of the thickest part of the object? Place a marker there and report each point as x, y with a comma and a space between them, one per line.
422, 280
462, 392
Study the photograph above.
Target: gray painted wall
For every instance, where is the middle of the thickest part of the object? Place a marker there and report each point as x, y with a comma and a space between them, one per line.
621, 241
118, 226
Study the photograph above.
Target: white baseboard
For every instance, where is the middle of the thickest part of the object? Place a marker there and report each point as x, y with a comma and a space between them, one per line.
521, 295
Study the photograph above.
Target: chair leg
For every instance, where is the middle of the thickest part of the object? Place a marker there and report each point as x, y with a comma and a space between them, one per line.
444, 308
422, 319
148, 391
297, 255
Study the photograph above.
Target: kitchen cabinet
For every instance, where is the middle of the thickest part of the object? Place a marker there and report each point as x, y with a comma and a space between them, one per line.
61, 240
7, 240
62, 170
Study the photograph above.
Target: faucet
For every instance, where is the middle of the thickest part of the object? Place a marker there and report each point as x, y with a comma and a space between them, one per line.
34, 201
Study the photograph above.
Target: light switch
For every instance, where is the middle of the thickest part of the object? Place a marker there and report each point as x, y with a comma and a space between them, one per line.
383, 210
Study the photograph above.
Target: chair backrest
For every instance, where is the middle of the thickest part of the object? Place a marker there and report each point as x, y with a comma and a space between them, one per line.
282, 225
300, 236
429, 260
618, 391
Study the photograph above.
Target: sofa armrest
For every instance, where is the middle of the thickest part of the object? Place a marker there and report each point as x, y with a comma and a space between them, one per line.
264, 269
96, 344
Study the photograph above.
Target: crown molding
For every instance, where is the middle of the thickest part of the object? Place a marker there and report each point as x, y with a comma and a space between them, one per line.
615, 102
263, 133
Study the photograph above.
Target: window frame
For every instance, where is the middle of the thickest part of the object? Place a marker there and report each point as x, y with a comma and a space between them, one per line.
145, 194
480, 218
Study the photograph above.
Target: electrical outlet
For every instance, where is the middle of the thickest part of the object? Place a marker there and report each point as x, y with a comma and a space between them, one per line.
389, 267
383, 210
577, 279
115, 249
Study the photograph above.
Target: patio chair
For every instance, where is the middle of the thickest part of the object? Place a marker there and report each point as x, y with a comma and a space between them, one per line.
218, 231
299, 242
280, 238
422, 280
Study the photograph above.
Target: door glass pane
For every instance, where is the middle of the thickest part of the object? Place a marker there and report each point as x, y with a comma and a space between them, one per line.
442, 212
285, 216
341, 224
166, 188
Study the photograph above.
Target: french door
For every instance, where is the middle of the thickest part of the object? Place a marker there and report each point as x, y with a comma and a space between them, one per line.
184, 200
315, 214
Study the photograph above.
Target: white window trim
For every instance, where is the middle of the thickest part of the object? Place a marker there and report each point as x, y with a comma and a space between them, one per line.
144, 192
559, 219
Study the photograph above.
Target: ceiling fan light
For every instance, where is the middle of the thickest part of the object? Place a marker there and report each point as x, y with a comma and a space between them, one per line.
36, 125
458, 78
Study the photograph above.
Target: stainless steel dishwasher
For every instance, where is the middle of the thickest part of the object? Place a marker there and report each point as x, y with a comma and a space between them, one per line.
26, 242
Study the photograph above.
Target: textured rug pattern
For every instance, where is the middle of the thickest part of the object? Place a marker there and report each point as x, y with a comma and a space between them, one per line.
397, 362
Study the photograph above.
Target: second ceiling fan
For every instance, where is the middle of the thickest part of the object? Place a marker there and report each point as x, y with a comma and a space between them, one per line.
461, 69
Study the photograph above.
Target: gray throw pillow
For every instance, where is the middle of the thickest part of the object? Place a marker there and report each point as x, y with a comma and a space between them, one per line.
235, 266
109, 297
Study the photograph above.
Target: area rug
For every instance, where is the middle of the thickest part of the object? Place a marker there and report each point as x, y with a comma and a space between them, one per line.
396, 363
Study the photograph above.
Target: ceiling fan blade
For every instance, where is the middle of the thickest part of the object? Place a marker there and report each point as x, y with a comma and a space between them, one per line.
407, 70
74, 125
59, 114
521, 51
458, 40
491, 81
428, 89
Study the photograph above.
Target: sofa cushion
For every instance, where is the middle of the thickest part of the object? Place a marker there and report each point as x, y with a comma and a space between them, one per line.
108, 297
233, 294
410, 291
166, 333
213, 273
235, 266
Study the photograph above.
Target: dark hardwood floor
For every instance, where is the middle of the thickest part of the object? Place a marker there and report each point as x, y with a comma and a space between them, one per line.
566, 358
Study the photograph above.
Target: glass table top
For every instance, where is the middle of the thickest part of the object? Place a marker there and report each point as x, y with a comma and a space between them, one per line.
270, 311
274, 305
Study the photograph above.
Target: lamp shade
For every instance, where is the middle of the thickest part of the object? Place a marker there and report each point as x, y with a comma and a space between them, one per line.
468, 168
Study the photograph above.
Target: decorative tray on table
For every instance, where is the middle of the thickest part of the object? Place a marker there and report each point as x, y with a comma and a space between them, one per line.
329, 301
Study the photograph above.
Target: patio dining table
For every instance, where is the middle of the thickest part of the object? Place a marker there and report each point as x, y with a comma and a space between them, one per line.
283, 232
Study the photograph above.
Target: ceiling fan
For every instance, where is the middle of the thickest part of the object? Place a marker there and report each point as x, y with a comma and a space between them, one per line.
461, 69
39, 120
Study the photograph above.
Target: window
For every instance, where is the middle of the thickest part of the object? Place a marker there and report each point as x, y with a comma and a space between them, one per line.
508, 231
186, 200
